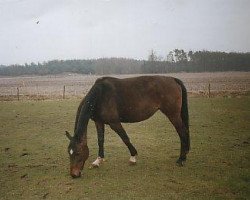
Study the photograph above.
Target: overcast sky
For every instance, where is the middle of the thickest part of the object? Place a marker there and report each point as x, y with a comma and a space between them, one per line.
42, 30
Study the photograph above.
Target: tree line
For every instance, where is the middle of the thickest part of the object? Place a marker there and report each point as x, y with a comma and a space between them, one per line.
175, 61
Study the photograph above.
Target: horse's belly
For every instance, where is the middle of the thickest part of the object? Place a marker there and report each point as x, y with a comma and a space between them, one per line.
135, 115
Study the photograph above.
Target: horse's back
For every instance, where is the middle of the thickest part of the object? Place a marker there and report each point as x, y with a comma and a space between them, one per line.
154, 87
139, 84
138, 98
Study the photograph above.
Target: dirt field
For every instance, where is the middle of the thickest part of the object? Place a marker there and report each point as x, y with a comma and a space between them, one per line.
77, 85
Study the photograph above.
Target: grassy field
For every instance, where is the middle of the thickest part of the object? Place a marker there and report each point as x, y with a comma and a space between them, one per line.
34, 162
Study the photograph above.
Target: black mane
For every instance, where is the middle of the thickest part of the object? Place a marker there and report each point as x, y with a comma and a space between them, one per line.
86, 110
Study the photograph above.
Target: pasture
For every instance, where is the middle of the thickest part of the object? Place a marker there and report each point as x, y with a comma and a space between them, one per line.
34, 161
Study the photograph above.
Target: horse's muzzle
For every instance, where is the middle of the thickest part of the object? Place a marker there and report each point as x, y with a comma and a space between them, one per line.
75, 174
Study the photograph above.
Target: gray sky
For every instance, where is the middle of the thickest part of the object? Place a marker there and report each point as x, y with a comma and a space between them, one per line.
42, 30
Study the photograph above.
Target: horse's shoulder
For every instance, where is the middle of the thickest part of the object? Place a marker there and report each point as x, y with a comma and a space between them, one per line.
105, 80
107, 84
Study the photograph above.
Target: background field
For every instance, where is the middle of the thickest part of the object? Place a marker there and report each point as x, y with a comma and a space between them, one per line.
34, 162
51, 87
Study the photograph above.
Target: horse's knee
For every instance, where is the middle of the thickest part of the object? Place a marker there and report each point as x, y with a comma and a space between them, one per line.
100, 142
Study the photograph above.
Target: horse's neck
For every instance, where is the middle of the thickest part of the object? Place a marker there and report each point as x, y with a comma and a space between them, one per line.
81, 137
84, 113
84, 140
82, 121
81, 131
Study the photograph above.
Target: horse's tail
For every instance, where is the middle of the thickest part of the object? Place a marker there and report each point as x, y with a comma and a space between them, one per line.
184, 110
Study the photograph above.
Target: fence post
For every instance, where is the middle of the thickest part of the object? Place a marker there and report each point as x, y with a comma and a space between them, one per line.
209, 90
18, 93
37, 92
64, 92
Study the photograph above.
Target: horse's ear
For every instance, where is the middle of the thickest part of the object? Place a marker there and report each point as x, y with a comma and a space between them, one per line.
68, 135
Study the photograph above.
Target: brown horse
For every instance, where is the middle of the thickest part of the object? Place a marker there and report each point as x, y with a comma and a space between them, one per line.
113, 101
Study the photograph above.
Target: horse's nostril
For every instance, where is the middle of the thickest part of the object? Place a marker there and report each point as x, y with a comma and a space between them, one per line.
76, 175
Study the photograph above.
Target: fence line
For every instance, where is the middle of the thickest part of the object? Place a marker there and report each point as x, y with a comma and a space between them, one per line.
44, 92
39, 92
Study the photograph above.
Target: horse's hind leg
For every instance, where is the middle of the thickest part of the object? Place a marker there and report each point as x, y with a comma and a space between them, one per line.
117, 127
183, 134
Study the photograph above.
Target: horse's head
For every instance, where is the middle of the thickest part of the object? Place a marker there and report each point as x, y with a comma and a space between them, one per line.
78, 152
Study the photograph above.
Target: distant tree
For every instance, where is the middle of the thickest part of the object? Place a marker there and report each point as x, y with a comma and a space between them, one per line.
177, 60
180, 56
152, 56
190, 56
170, 57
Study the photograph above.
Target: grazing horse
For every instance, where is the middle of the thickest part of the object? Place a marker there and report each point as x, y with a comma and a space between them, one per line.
112, 101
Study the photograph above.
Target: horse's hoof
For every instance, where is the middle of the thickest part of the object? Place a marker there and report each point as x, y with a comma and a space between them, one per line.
97, 162
132, 160
95, 165
132, 163
180, 162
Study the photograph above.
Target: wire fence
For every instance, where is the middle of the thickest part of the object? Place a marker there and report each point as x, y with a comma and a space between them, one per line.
76, 86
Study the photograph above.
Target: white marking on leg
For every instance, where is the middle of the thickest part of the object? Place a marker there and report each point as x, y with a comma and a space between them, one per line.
97, 162
71, 151
132, 160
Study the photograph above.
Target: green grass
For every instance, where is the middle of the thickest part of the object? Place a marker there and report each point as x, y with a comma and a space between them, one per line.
34, 162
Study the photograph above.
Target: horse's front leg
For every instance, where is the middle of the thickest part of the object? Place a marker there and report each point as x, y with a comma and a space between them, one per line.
100, 137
